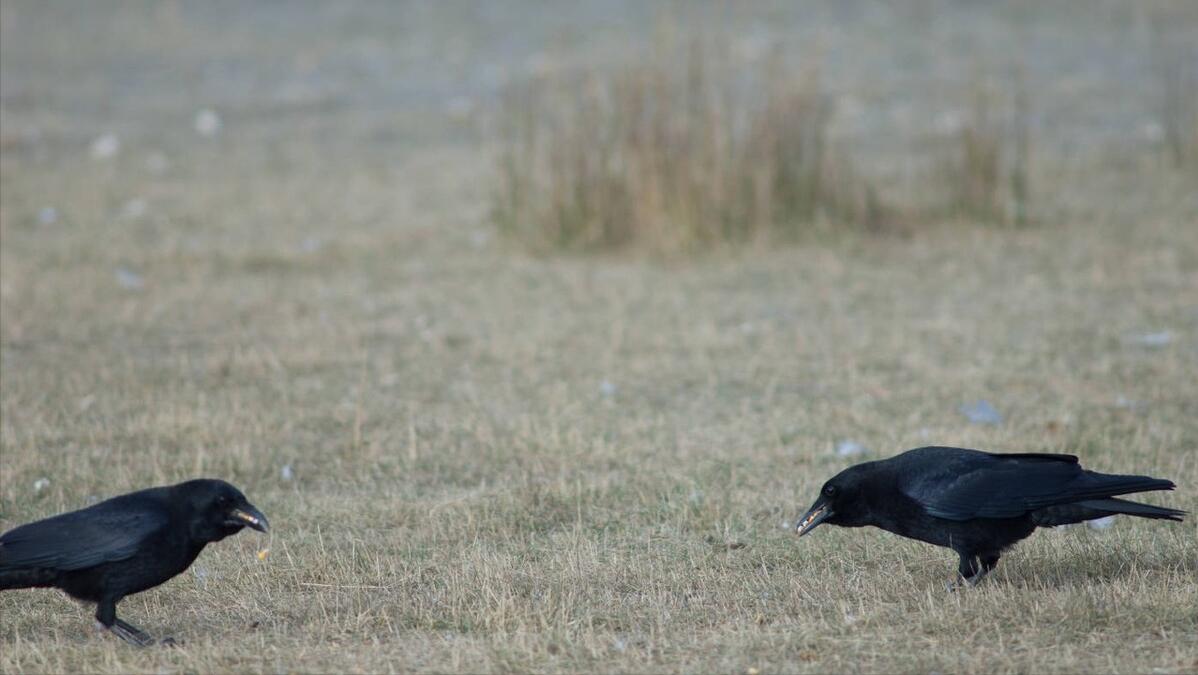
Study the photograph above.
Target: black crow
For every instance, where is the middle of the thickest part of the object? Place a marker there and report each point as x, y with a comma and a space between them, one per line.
124, 545
976, 503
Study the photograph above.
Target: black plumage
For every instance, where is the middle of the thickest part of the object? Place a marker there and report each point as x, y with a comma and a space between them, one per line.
124, 545
976, 503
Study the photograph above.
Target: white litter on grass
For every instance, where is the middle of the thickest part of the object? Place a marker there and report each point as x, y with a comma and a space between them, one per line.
208, 123
608, 389
48, 215
949, 122
1101, 523
540, 64
459, 108
87, 402
157, 163
1126, 403
1152, 132
286, 473
105, 147
129, 280
981, 412
41, 484
849, 449
1158, 339
202, 574
134, 208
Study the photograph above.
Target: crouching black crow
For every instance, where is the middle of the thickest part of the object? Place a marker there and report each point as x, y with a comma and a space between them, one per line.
124, 545
976, 503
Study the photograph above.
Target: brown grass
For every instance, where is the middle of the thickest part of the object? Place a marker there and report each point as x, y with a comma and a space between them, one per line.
675, 154
1178, 111
985, 164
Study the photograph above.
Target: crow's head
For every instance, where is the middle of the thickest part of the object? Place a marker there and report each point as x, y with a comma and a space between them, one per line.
217, 509
842, 501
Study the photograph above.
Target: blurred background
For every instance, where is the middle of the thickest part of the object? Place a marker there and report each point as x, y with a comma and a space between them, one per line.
601, 290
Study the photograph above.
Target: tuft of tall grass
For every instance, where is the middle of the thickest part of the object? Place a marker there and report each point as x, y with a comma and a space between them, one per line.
985, 163
672, 155
1179, 106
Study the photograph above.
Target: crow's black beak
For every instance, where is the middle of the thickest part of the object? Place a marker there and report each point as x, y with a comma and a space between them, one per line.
248, 515
819, 512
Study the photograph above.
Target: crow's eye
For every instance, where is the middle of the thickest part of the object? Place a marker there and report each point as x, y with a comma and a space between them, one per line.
829, 490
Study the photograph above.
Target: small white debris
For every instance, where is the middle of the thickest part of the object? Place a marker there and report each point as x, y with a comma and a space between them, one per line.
41, 484
1152, 132
949, 123
608, 388
129, 280
134, 208
86, 403
786, 524
286, 473
1158, 339
1126, 403
459, 108
1101, 523
540, 64
493, 75
157, 163
981, 412
849, 449
202, 574
208, 123
48, 215
105, 147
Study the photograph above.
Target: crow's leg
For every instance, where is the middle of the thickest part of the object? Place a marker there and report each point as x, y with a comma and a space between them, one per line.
106, 615
974, 568
142, 635
132, 634
988, 562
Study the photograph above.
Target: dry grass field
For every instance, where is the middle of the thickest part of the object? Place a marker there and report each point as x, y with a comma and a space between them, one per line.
477, 459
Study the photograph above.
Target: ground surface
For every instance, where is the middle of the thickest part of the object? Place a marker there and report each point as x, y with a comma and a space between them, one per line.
480, 461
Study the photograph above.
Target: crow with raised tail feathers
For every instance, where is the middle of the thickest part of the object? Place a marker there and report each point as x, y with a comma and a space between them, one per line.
976, 503
124, 545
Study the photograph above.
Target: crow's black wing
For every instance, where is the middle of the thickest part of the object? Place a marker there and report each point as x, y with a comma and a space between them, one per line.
983, 485
107, 532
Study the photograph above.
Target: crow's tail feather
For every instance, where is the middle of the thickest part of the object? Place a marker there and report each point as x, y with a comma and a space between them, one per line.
1113, 506
1067, 514
1106, 485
